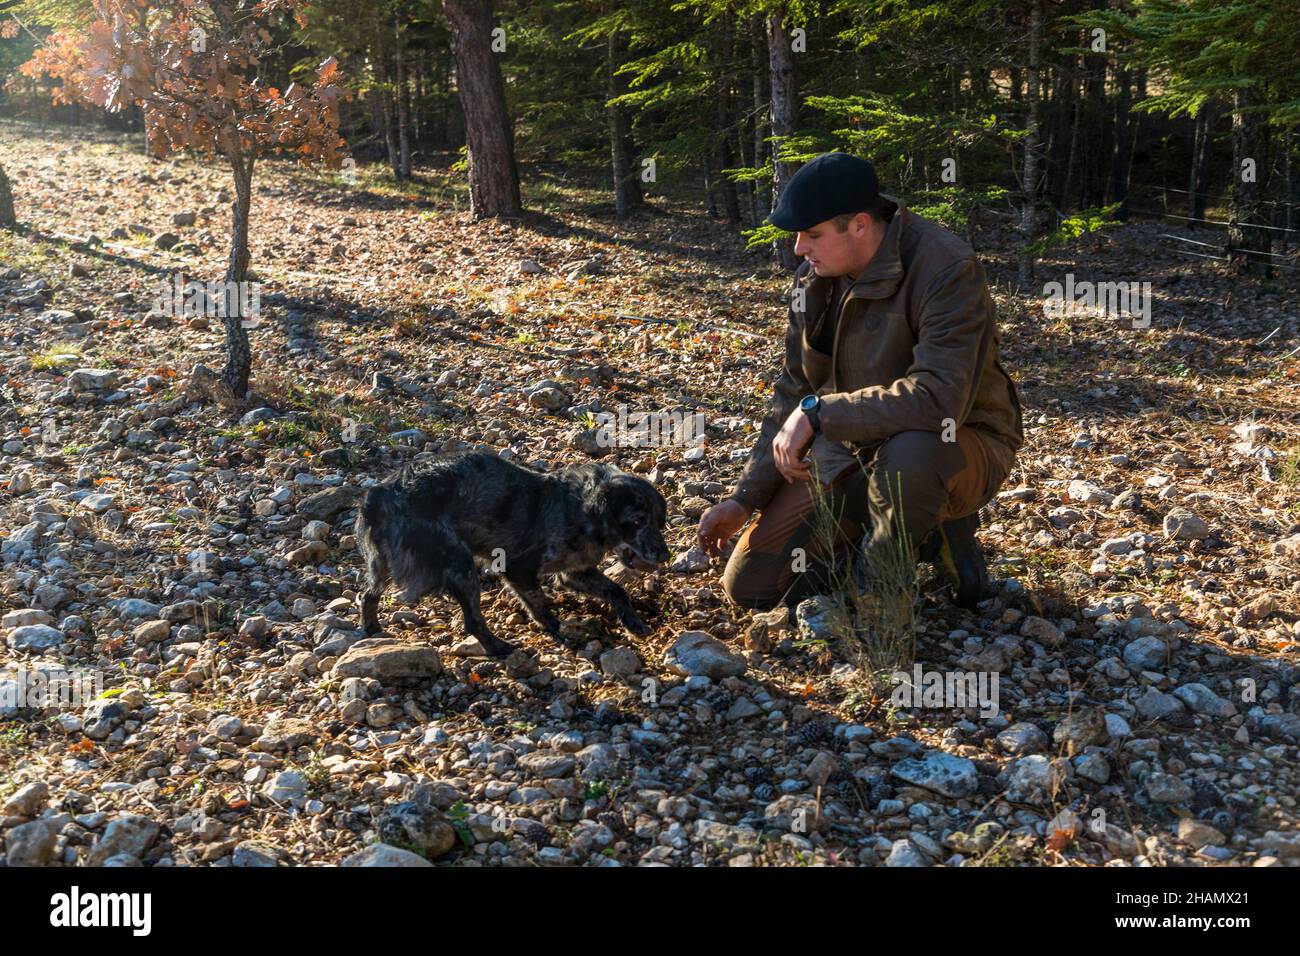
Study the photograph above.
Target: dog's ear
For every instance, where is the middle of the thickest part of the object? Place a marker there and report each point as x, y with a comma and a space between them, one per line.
595, 489
592, 480
613, 495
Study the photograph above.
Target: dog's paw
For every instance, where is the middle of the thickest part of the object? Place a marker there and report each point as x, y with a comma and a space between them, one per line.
636, 625
477, 645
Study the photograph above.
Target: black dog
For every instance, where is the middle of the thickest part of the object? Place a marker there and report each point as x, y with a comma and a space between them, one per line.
424, 528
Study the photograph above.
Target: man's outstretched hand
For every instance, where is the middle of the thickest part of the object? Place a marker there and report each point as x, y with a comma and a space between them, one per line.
719, 523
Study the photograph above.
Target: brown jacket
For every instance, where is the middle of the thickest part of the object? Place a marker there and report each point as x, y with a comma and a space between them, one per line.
916, 344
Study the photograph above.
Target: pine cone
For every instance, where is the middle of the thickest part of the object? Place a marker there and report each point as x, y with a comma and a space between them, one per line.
614, 821
532, 831
813, 732
878, 788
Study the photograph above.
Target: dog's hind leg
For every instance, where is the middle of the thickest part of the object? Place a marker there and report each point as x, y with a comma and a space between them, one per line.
595, 584
528, 592
376, 579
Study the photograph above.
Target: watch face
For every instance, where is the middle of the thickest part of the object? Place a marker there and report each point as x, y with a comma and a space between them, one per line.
809, 403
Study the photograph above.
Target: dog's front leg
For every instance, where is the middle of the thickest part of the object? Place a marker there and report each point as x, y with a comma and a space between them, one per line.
528, 592
593, 583
461, 582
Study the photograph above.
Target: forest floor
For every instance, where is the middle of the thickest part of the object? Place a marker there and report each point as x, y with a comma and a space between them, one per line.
200, 563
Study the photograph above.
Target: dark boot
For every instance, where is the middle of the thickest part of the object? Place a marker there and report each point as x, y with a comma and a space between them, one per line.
955, 548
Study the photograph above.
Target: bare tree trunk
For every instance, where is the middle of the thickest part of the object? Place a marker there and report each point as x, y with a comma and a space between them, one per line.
1288, 207
1095, 172
1138, 120
239, 358
1123, 143
723, 156
1198, 178
8, 218
627, 183
417, 113
493, 176
762, 208
1072, 162
1029, 185
785, 109
1247, 162
402, 97
387, 112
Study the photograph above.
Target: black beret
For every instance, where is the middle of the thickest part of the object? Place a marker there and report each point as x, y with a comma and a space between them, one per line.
832, 184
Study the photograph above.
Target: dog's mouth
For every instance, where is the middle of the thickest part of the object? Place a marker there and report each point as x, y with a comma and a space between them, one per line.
633, 559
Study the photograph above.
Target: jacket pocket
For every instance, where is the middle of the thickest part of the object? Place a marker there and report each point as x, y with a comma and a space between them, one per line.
816, 365
876, 349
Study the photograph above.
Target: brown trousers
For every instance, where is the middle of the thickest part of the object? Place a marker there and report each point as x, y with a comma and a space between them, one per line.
915, 481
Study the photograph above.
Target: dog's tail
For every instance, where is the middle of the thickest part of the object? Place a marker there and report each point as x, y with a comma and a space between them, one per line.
398, 544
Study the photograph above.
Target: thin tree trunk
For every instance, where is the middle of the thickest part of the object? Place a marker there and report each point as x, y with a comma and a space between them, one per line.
627, 183
1198, 179
417, 110
743, 141
8, 219
723, 156
1072, 163
785, 108
384, 71
1292, 167
402, 97
762, 207
1029, 186
1123, 143
239, 359
493, 176
1095, 157
445, 99
1246, 143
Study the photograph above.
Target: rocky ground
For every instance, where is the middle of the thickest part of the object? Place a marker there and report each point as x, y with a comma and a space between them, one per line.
199, 560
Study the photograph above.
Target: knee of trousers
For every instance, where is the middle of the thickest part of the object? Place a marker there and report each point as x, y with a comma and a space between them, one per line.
754, 581
915, 463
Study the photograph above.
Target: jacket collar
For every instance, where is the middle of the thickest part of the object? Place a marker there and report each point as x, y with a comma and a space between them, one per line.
881, 276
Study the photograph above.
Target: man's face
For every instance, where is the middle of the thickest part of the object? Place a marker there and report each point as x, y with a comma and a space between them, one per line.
835, 253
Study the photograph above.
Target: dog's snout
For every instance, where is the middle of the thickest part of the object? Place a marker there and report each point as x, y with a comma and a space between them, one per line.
655, 549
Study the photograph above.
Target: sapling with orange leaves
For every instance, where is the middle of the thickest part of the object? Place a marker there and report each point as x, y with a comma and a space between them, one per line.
195, 69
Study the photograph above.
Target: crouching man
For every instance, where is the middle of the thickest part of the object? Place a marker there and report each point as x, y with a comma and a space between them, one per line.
892, 395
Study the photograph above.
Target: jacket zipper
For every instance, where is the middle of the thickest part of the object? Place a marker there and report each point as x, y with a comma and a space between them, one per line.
835, 342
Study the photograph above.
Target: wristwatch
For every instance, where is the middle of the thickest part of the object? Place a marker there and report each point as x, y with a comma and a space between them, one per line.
811, 406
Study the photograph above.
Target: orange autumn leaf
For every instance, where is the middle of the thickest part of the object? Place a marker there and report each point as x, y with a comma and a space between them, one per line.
1060, 839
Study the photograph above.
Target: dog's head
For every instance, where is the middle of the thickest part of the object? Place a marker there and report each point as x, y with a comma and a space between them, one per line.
634, 514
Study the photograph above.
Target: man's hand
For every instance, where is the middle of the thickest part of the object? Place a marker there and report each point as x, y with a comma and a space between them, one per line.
719, 523
790, 444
